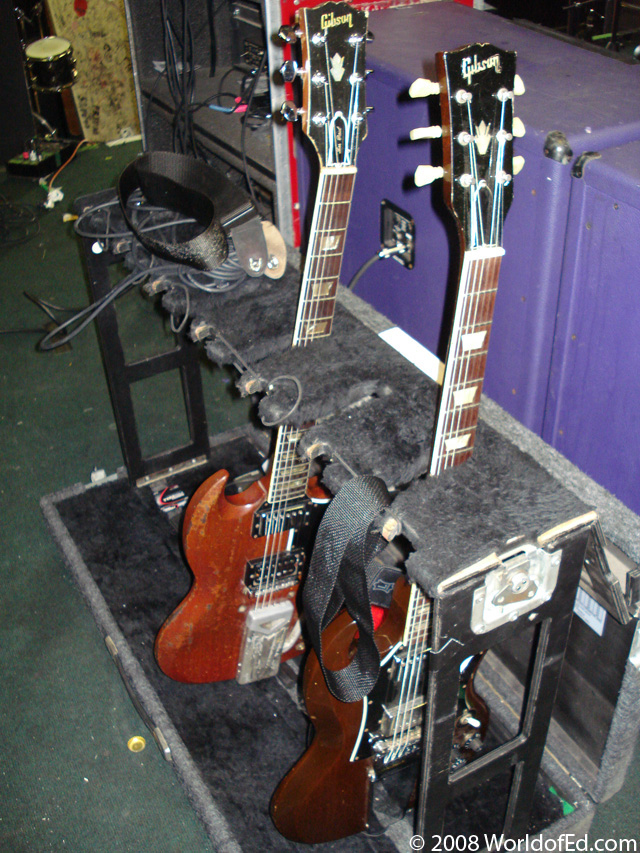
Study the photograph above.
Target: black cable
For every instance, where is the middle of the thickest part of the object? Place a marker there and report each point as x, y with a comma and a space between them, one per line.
88, 314
365, 266
21, 331
18, 222
294, 407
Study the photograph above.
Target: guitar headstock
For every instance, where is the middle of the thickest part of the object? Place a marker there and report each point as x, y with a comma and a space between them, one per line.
477, 85
333, 113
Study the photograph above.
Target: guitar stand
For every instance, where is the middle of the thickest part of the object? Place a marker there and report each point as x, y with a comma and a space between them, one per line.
483, 536
121, 374
461, 605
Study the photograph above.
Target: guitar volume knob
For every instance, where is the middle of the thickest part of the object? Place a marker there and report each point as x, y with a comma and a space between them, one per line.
422, 88
427, 175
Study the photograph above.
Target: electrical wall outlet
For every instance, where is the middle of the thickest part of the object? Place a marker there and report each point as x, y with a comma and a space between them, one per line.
397, 230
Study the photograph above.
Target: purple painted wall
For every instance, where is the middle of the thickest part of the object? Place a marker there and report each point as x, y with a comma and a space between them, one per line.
593, 99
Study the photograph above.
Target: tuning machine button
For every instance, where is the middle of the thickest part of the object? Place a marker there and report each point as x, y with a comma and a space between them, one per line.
517, 127
518, 85
290, 70
370, 36
427, 175
516, 164
289, 111
434, 132
288, 34
422, 88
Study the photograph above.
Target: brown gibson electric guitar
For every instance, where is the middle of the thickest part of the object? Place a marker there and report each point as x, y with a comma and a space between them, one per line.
327, 793
246, 551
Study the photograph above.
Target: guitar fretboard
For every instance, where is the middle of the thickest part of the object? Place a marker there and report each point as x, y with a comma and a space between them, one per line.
324, 255
316, 308
466, 359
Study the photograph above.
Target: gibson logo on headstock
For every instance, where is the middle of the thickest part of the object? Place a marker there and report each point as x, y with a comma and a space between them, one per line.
330, 20
472, 66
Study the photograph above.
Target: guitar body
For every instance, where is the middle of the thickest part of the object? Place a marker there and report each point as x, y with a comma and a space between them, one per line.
325, 796
201, 640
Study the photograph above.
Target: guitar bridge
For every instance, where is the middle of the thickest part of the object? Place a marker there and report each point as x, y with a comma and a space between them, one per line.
265, 632
278, 572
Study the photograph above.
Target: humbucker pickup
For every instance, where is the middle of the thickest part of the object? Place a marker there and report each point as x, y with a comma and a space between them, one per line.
268, 520
287, 568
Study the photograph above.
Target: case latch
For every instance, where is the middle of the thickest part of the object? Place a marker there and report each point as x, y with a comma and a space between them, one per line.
525, 578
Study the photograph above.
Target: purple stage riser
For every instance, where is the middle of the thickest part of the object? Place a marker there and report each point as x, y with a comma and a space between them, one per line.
593, 410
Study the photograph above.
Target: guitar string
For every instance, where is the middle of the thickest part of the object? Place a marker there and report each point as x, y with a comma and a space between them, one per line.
461, 368
284, 464
400, 716
413, 670
282, 486
422, 637
276, 490
473, 297
286, 472
288, 437
405, 686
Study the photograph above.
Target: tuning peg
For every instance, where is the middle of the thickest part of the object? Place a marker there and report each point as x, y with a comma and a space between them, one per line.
517, 127
518, 85
289, 34
422, 88
427, 175
516, 164
434, 132
289, 71
370, 36
289, 111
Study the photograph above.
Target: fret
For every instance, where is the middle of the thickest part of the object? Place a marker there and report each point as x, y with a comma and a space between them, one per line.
469, 357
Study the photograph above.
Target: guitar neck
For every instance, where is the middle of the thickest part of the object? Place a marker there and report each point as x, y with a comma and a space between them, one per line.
466, 359
417, 623
316, 308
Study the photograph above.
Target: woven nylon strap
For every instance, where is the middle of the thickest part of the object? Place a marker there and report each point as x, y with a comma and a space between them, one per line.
345, 546
195, 189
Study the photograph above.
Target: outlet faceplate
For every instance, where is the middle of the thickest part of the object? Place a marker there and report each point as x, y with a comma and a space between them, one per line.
397, 229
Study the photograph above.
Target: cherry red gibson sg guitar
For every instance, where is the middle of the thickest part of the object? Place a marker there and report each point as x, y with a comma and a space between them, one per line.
246, 550
327, 794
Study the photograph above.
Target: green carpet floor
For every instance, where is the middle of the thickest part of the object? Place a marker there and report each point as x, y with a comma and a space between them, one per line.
67, 779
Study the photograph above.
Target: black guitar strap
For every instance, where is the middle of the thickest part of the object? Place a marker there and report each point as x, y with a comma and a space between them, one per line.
345, 546
197, 190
